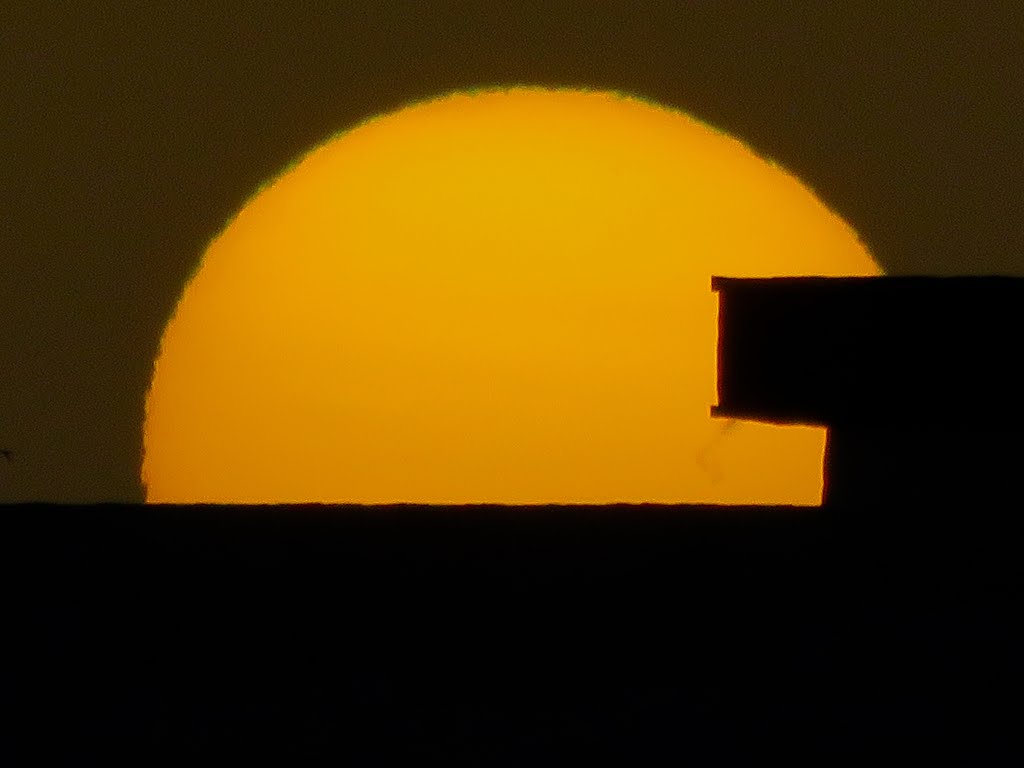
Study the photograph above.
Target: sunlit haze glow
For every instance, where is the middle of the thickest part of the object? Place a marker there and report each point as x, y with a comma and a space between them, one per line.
499, 296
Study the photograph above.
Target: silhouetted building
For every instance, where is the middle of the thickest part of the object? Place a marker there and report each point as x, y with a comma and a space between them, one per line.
919, 380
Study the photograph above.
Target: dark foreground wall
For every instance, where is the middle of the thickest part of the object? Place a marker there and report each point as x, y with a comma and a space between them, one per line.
508, 636
923, 467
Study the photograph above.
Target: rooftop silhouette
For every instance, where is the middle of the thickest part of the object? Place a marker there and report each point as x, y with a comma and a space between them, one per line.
918, 379
491, 635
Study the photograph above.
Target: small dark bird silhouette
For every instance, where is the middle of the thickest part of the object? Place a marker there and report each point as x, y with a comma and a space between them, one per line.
7, 454
704, 454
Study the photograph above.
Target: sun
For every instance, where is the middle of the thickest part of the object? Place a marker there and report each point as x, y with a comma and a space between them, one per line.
497, 296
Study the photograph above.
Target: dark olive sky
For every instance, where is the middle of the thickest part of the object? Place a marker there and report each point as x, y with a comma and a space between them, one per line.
130, 135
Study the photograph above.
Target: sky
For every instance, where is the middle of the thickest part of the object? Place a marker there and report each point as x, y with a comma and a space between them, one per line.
130, 134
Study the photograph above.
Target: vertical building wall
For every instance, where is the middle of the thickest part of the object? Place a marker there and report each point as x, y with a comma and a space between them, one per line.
933, 465
920, 381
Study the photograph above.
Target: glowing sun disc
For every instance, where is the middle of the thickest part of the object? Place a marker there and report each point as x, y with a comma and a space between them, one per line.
499, 296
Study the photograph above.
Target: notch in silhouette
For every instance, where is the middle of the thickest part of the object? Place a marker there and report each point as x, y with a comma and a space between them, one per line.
7, 453
917, 379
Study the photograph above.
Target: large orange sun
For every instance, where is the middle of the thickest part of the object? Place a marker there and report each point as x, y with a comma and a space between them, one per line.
500, 296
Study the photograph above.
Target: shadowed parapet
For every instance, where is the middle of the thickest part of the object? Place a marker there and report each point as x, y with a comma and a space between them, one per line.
919, 380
